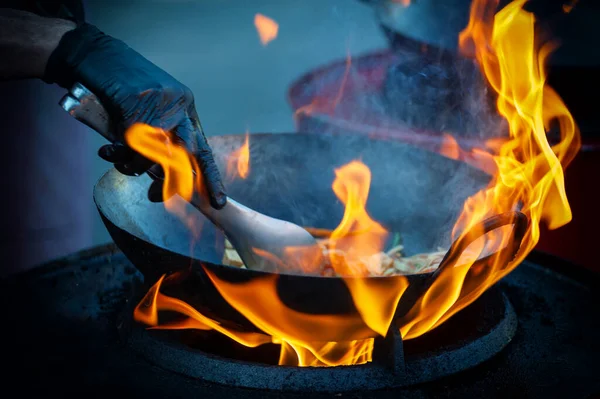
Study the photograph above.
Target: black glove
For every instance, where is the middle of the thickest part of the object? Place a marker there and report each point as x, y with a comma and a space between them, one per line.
133, 89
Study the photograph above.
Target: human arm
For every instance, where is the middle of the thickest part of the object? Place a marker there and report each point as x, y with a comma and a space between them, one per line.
133, 89
26, 42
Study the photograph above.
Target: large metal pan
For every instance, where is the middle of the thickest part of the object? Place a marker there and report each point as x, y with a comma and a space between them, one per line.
413, 192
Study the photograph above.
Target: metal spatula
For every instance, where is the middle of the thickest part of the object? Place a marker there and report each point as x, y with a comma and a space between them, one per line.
246, 229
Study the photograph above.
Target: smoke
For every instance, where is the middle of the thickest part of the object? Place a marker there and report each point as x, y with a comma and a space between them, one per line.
441, 93
414, 192
415, 96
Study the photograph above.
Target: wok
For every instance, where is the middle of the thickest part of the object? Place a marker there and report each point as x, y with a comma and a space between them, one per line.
414, 192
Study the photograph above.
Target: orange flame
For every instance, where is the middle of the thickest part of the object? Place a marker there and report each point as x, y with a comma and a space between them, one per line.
238, 162
306, 339
323, 105
529, 171
477, 157
157, 145
527, 175
266, 27
376, 304
307, 334
181, 171
568, 7
449, 147
147, 312
351, 186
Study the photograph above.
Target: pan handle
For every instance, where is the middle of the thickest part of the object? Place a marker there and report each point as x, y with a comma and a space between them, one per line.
84, 106
516, 218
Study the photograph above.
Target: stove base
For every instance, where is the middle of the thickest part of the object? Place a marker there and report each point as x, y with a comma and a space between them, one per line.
61, 335
422, 363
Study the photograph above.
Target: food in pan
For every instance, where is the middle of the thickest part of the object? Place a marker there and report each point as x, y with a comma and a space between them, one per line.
390, 262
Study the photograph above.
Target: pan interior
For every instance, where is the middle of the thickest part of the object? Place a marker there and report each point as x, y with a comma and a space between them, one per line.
415, 193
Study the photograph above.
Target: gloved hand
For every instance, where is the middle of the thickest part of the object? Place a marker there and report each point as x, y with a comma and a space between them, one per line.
133, 90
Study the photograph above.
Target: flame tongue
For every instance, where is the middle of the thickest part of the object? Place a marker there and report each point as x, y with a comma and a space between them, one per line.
266, 27
361, 239
351, 186
238, 162
529, 170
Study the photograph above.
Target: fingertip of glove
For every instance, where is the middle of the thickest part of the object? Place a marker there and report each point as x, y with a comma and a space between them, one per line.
106, 152
115, 153
218, 201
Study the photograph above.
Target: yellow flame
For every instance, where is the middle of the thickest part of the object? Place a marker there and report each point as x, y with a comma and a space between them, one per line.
351, 186
157, 145
375, 302
529, 172
182, 173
